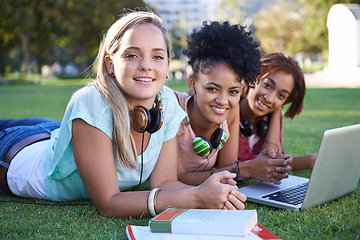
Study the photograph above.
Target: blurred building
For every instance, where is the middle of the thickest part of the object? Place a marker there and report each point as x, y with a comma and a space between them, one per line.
343, 23
344, 35
184, 14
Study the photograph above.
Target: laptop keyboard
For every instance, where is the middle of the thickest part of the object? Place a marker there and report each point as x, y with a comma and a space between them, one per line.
294, 195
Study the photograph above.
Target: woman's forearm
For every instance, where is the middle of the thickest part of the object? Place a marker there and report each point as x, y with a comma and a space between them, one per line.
303, 162
194, 178
272, 138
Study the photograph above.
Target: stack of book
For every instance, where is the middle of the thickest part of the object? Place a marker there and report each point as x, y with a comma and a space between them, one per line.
203, 224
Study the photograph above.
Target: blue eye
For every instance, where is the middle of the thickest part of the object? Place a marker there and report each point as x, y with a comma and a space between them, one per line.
130, 56
158, 57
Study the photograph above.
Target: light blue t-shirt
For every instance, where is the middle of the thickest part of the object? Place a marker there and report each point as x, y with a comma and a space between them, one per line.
63, 181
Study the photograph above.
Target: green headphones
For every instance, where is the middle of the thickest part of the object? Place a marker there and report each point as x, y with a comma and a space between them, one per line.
203, 147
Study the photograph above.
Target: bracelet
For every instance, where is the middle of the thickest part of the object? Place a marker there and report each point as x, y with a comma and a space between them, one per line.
151, 203
239, 179
277, 147
212, 171
156, 193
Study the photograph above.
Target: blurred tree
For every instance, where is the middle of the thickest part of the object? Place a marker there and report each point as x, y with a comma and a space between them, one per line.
314, 23
32, 25
8, 38
295, 26
279, 27
86, 20
179, 37
230, 10
42, 26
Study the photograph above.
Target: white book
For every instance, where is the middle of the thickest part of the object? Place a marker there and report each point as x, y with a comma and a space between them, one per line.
205, 221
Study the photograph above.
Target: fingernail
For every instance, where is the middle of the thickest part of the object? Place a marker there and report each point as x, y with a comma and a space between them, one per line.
275, 174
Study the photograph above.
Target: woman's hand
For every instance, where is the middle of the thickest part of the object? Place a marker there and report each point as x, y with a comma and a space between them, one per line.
235, 201
215, 193
268, 166
282, 172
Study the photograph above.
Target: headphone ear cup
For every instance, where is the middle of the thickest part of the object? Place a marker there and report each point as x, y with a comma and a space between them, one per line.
202, 146
218, 138
140, 118
261, 128
246, 128
156, 120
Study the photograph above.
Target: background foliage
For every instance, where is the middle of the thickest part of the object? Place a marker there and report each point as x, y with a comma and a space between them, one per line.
49, 30
294, 26
38, 32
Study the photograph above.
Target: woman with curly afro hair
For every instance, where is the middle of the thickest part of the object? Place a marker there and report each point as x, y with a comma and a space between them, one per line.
225, 60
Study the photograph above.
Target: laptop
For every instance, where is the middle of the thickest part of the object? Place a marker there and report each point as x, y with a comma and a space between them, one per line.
336, 172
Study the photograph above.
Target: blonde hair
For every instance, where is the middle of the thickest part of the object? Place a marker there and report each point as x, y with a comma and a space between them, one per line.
107, 85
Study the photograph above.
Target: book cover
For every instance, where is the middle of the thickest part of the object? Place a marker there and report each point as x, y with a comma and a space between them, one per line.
204, 221
143, 232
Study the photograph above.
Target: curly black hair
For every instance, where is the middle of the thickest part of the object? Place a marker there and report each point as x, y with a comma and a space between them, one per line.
216, 43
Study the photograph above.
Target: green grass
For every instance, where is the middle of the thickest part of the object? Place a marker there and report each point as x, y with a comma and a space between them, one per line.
324, 108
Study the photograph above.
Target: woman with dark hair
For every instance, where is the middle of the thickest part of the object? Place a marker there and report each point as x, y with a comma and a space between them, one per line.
225, 61
281, 82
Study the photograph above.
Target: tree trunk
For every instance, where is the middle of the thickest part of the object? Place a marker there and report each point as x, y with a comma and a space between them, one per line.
25, 39
2, 63
83, 58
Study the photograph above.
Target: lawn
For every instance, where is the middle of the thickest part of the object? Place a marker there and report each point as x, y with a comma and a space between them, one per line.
324, 108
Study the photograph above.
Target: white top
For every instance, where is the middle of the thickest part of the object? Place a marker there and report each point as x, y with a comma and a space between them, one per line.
54, 158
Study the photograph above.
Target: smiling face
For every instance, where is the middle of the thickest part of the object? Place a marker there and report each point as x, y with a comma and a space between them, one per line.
140, 66
217, 92
271, 93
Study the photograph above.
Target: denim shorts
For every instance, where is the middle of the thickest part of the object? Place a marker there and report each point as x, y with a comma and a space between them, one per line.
12, 131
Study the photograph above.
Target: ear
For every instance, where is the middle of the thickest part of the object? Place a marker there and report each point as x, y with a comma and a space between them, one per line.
247, 90
191, 81
168, 68
109, 64
245, 87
